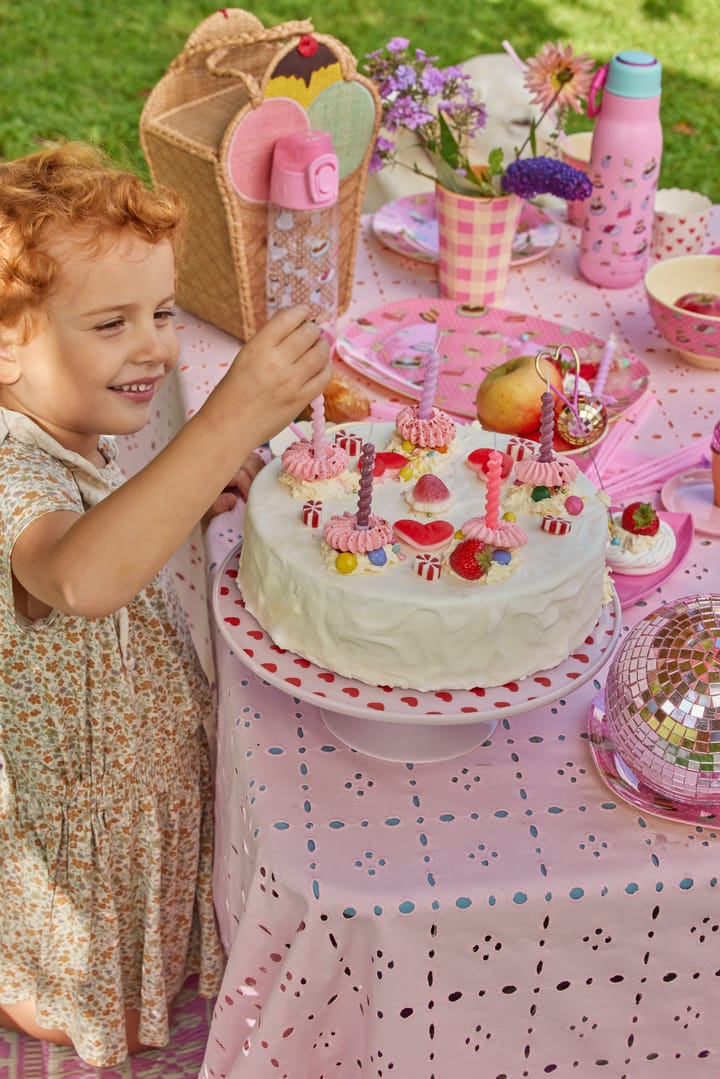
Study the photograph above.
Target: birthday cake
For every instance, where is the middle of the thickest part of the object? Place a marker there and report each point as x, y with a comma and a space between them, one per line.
483, 567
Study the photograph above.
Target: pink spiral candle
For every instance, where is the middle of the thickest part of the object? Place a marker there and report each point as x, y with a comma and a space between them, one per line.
367, 463
492, 494
318, 427
429, 386
547, 426
604, 367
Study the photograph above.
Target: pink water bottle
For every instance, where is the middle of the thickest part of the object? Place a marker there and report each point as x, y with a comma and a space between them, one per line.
624, 169
303, 228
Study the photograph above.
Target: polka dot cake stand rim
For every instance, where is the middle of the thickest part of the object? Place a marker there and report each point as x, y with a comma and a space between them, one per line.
435, 725
624, 783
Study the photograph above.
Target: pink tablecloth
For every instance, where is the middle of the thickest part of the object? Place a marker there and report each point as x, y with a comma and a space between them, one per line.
502, 914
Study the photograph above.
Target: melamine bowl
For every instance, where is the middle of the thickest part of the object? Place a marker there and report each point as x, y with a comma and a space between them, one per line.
695, 336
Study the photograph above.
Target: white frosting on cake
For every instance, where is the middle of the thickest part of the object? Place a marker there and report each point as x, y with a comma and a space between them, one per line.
396, 628
636, 555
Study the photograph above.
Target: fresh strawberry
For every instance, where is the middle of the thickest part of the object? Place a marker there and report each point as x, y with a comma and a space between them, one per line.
640, 519
471, 559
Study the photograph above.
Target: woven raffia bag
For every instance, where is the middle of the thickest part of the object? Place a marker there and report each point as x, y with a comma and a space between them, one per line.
208, 128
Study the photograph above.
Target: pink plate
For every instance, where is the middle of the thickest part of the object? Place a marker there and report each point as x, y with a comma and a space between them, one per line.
632, 588
623, 782
427, 723
391, 344
692, 492
408, 225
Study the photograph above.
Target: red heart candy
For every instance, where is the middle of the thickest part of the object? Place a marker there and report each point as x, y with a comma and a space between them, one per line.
376, 705
327, 676
256, 634
478, 462
351, 691
424, 537
270, 667
444, 695
233, 621
412, 701
294, 681
388, 463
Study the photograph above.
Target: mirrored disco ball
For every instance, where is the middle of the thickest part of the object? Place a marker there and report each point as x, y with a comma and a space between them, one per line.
662, 700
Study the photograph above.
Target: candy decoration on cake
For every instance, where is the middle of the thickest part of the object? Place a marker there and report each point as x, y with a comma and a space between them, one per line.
489, 528
312, 512
428, 566
556, 526
429, 495
433, 536
363, 532
518, 448
352, 444
389, 465
477, 461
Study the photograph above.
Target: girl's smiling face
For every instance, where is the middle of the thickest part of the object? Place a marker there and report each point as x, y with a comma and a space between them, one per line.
105, 341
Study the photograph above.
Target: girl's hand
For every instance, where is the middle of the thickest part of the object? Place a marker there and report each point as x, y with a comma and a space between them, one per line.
279, 371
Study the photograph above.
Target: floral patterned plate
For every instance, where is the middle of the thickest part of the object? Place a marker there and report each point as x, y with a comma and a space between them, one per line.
390, 346
408, 225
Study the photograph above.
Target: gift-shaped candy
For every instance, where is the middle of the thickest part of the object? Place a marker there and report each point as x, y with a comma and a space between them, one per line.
312, 512
556, 526
428, 566
352, 444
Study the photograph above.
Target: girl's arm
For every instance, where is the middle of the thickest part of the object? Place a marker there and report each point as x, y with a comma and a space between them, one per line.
95, 563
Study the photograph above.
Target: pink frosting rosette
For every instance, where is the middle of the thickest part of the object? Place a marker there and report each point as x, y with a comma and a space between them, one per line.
507, 533
555, 473
437, 431
342, 534
299, 461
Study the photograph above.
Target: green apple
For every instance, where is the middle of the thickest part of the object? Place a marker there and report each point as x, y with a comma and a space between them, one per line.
509, 398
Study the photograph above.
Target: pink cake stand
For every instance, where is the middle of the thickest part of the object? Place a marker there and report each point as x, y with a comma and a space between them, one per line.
401, 724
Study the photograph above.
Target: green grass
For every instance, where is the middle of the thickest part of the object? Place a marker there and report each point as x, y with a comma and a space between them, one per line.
80, 69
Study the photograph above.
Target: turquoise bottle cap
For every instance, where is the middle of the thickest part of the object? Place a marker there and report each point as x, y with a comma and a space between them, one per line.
634, 74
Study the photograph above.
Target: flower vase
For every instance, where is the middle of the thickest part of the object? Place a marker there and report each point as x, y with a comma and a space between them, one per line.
475, 239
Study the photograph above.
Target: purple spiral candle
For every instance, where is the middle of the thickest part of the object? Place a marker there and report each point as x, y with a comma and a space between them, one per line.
367, 463
547, 426
317, 406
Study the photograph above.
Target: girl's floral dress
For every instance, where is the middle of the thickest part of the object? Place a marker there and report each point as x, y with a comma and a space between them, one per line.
105, 787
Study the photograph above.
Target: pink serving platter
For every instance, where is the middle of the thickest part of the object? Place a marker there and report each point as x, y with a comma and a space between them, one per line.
401, 724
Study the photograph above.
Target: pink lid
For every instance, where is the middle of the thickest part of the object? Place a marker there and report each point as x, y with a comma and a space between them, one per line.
304, 171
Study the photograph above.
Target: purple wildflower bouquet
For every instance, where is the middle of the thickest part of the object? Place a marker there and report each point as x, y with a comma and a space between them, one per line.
439, 106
